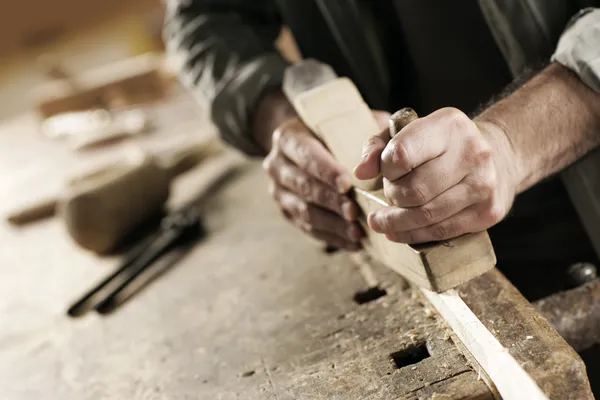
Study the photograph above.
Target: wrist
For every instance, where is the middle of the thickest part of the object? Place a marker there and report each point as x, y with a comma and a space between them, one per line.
272, 109
509, 164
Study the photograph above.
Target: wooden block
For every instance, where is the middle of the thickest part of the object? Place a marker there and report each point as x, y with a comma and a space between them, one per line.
133, 81
436, 267
334, 110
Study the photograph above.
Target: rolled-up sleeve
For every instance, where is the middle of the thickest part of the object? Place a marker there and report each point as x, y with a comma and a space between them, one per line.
226, 55
579, 47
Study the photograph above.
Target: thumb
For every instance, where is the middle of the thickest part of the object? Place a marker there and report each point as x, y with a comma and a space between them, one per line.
369, 165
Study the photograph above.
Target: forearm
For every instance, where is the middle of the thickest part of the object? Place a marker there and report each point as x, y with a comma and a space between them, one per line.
549, 122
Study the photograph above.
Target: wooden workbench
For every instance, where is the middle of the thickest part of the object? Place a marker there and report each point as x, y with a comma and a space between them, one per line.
254, 311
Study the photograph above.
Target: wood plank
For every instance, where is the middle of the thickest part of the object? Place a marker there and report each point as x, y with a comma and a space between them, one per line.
508, 376
526, 336
333, 108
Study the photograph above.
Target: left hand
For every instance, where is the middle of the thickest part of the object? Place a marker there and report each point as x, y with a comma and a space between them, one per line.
445, 174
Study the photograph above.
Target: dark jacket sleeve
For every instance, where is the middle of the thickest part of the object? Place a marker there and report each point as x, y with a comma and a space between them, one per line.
226, 55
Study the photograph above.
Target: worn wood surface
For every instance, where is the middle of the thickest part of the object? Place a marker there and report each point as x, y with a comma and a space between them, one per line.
333, 108
255, 311
335, 111
527, 336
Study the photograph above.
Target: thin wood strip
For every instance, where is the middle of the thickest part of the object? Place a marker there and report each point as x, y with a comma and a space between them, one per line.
509, 377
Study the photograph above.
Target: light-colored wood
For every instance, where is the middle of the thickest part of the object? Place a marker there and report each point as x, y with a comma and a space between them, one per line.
336, 113
94, 128
275, 306
508, 375
133, 81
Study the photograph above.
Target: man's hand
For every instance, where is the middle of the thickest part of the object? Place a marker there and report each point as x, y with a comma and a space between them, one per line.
311, 187
445, 174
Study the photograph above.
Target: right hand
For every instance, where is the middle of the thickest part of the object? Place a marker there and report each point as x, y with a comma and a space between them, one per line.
311, 187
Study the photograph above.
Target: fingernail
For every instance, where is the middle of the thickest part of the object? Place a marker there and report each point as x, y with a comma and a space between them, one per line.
348, 211
343, 183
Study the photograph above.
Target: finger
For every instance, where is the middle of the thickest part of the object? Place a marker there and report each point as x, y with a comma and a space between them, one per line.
310, 155
447, 204
422, 140
310, 189
325, 221
427, 181
311, 218
465, 221
331, 239
369, 165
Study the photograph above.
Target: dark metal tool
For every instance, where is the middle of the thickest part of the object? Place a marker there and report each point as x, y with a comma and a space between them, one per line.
176, 229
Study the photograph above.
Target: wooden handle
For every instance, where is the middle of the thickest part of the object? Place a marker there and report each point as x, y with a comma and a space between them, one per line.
33, 212
400, 119
104, 207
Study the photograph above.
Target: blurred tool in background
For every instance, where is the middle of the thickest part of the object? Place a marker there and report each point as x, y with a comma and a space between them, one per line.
178, 230
102, 207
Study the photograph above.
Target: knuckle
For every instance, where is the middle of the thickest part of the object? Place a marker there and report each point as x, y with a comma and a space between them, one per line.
302, 212
308, 228
477, 152
278, 135
426, 215
370, 144
305, 159
457, 117
482, 188
268, 163
407, 195
494, 212
415, 194
326, 198
399, 156
440, 232
303, 187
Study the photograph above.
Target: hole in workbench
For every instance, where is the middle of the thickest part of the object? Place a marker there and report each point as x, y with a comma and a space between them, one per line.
330, 249
410, 356
371, 294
